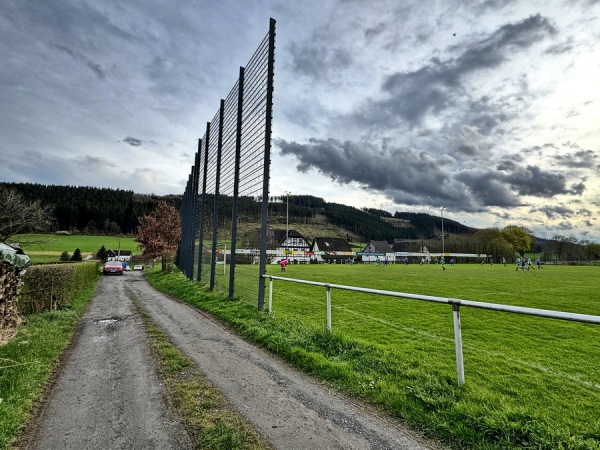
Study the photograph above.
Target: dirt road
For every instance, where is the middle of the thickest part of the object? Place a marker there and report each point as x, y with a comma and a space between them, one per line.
108, 395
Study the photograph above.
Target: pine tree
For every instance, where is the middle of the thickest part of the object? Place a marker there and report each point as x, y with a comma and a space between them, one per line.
102, 254
76, 255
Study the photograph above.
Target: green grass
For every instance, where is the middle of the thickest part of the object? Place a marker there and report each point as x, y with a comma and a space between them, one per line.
28, 360
530, 382
45, 248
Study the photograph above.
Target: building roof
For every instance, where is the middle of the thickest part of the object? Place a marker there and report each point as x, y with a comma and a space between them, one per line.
113, 253
331, 244
280, 234
378, 247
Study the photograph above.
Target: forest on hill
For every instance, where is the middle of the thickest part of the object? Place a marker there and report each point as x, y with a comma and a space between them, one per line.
92, 210
89, 209
115, 211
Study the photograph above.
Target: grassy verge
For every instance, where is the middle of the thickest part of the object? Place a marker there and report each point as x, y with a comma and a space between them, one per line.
530, 381
28, 360
207, 414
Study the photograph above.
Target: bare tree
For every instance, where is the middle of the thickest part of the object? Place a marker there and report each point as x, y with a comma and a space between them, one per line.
159, 234
18, 215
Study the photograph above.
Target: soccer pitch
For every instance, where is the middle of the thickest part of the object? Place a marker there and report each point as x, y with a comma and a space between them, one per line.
519, 368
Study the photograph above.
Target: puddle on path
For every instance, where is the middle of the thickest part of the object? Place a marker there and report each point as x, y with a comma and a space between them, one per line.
108, 321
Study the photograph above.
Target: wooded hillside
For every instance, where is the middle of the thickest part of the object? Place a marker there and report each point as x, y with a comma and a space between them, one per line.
116, 211
90, 209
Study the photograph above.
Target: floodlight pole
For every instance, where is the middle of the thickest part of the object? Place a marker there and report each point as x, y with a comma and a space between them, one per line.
287, 221
443, 248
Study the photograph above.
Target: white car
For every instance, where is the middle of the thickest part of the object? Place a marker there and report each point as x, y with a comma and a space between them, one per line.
138, 267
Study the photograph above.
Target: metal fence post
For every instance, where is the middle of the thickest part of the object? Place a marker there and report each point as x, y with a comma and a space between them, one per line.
262, 270
236, 181
194, 209
328, 308
203, 202
215, 217
460, 368
270, 295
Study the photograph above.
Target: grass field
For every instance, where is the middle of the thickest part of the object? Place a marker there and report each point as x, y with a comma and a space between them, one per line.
43, 248
530, 382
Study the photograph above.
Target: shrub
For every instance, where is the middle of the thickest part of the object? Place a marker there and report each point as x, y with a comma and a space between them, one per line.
76, 255
51, 286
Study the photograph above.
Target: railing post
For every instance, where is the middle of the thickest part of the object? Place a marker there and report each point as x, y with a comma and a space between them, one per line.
270, 295
328, 308
460, 368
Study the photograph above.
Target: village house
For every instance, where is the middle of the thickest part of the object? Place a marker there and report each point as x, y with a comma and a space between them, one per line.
331, 250
118, 255
377, 249
291, 243
280, 243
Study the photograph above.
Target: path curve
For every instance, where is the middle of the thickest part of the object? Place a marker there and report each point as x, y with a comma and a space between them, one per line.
107, 394
289, 408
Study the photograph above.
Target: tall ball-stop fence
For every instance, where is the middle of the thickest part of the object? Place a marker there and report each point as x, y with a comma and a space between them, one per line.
224, 210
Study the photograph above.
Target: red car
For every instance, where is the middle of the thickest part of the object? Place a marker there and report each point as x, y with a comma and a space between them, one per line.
113, 267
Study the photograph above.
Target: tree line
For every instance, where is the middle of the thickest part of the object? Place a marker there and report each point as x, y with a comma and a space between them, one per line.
89, 209
28, 207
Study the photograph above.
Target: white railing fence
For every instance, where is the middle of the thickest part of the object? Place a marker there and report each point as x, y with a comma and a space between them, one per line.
456, 303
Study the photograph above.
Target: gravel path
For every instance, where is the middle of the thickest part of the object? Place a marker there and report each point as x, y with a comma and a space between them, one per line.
108, 396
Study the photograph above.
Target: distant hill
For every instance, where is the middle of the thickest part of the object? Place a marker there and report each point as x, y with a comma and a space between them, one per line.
91, 209
114, 211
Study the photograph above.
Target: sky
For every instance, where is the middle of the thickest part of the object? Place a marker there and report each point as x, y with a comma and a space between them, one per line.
487, 108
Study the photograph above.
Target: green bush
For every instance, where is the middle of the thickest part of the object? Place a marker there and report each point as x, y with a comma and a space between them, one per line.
76, 255
51, 286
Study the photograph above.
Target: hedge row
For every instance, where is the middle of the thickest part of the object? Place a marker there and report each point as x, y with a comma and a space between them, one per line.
51, 286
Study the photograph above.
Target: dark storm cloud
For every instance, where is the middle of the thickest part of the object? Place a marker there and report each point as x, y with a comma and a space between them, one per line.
563, 226
488, 190
531, 180
438, 85
486, 115
578, 189
378, 168
408, 176
506, 165
468, 143
585, 159
405, 175
554, 212
132, 141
